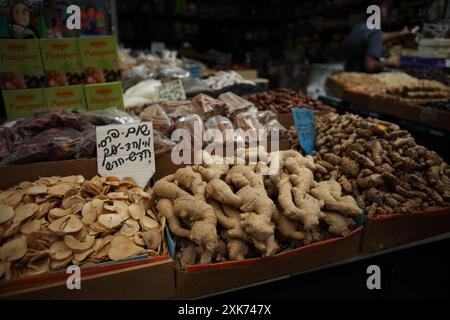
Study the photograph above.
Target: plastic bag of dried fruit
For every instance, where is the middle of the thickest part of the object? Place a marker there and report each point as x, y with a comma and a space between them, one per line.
208, 106
148, 89
193, 124
136, 75
49, 145
87, 147
234, 104
265, 116
223, 124
162, 143
155, 113
248, 120
109, 116
274, 125
177, 109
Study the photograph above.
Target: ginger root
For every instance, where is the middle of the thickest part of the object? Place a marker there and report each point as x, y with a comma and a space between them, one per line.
330, 193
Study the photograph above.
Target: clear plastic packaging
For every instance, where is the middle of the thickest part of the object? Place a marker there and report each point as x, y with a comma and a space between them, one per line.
148, 89
208, 106
135, 75
193, 123
178, 109
266, 116
162, 144
234, 104
167, 72
155, 113
248, 120
274, 125
49, 145
56, 134
222, 124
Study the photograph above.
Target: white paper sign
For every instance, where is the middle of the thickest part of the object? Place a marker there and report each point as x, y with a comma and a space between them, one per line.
126, 150
172, 90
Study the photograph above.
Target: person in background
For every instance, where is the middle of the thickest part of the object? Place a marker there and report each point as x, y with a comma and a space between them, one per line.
364, 46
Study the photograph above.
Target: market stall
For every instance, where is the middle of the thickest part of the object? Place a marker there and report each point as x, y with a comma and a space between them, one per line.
155, 175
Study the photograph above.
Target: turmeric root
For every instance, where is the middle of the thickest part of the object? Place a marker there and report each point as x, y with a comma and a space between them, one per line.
374, 180
349, 167
362, 160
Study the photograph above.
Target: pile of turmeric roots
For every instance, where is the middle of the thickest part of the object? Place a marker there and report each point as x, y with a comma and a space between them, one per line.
221, 212
380, 165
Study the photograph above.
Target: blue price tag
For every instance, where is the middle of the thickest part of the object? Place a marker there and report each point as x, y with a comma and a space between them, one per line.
170, 242
305, 124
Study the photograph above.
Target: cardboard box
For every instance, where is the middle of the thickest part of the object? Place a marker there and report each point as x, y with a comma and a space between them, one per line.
100, 59
136, 278
20, 64
22, 103
65, 97
61, 61
387, 232
199, 280
104, 95
147, 278
431, 117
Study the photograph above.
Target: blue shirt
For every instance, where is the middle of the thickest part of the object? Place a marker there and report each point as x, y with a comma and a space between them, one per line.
362, 42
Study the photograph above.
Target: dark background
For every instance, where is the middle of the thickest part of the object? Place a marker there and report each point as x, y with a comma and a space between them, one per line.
256, 31
422, 272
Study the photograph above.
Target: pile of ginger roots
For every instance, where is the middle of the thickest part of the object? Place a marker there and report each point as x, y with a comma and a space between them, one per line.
380, 165
219, 212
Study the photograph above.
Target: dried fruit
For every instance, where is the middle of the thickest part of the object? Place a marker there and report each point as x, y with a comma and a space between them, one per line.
31, 227
67, 224
82, 255
152, 238
59, 264
60, 189
39, 264
14, 249
120, 207
57, 213
110, 221
130, 227
55, 221
6, 213
11, 198
122, 247
24, 211
35, 190
74, 244
148, 223
136, 211
59, 250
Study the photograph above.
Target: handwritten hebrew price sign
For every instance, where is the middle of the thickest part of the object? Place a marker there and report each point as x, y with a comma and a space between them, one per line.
126, 150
